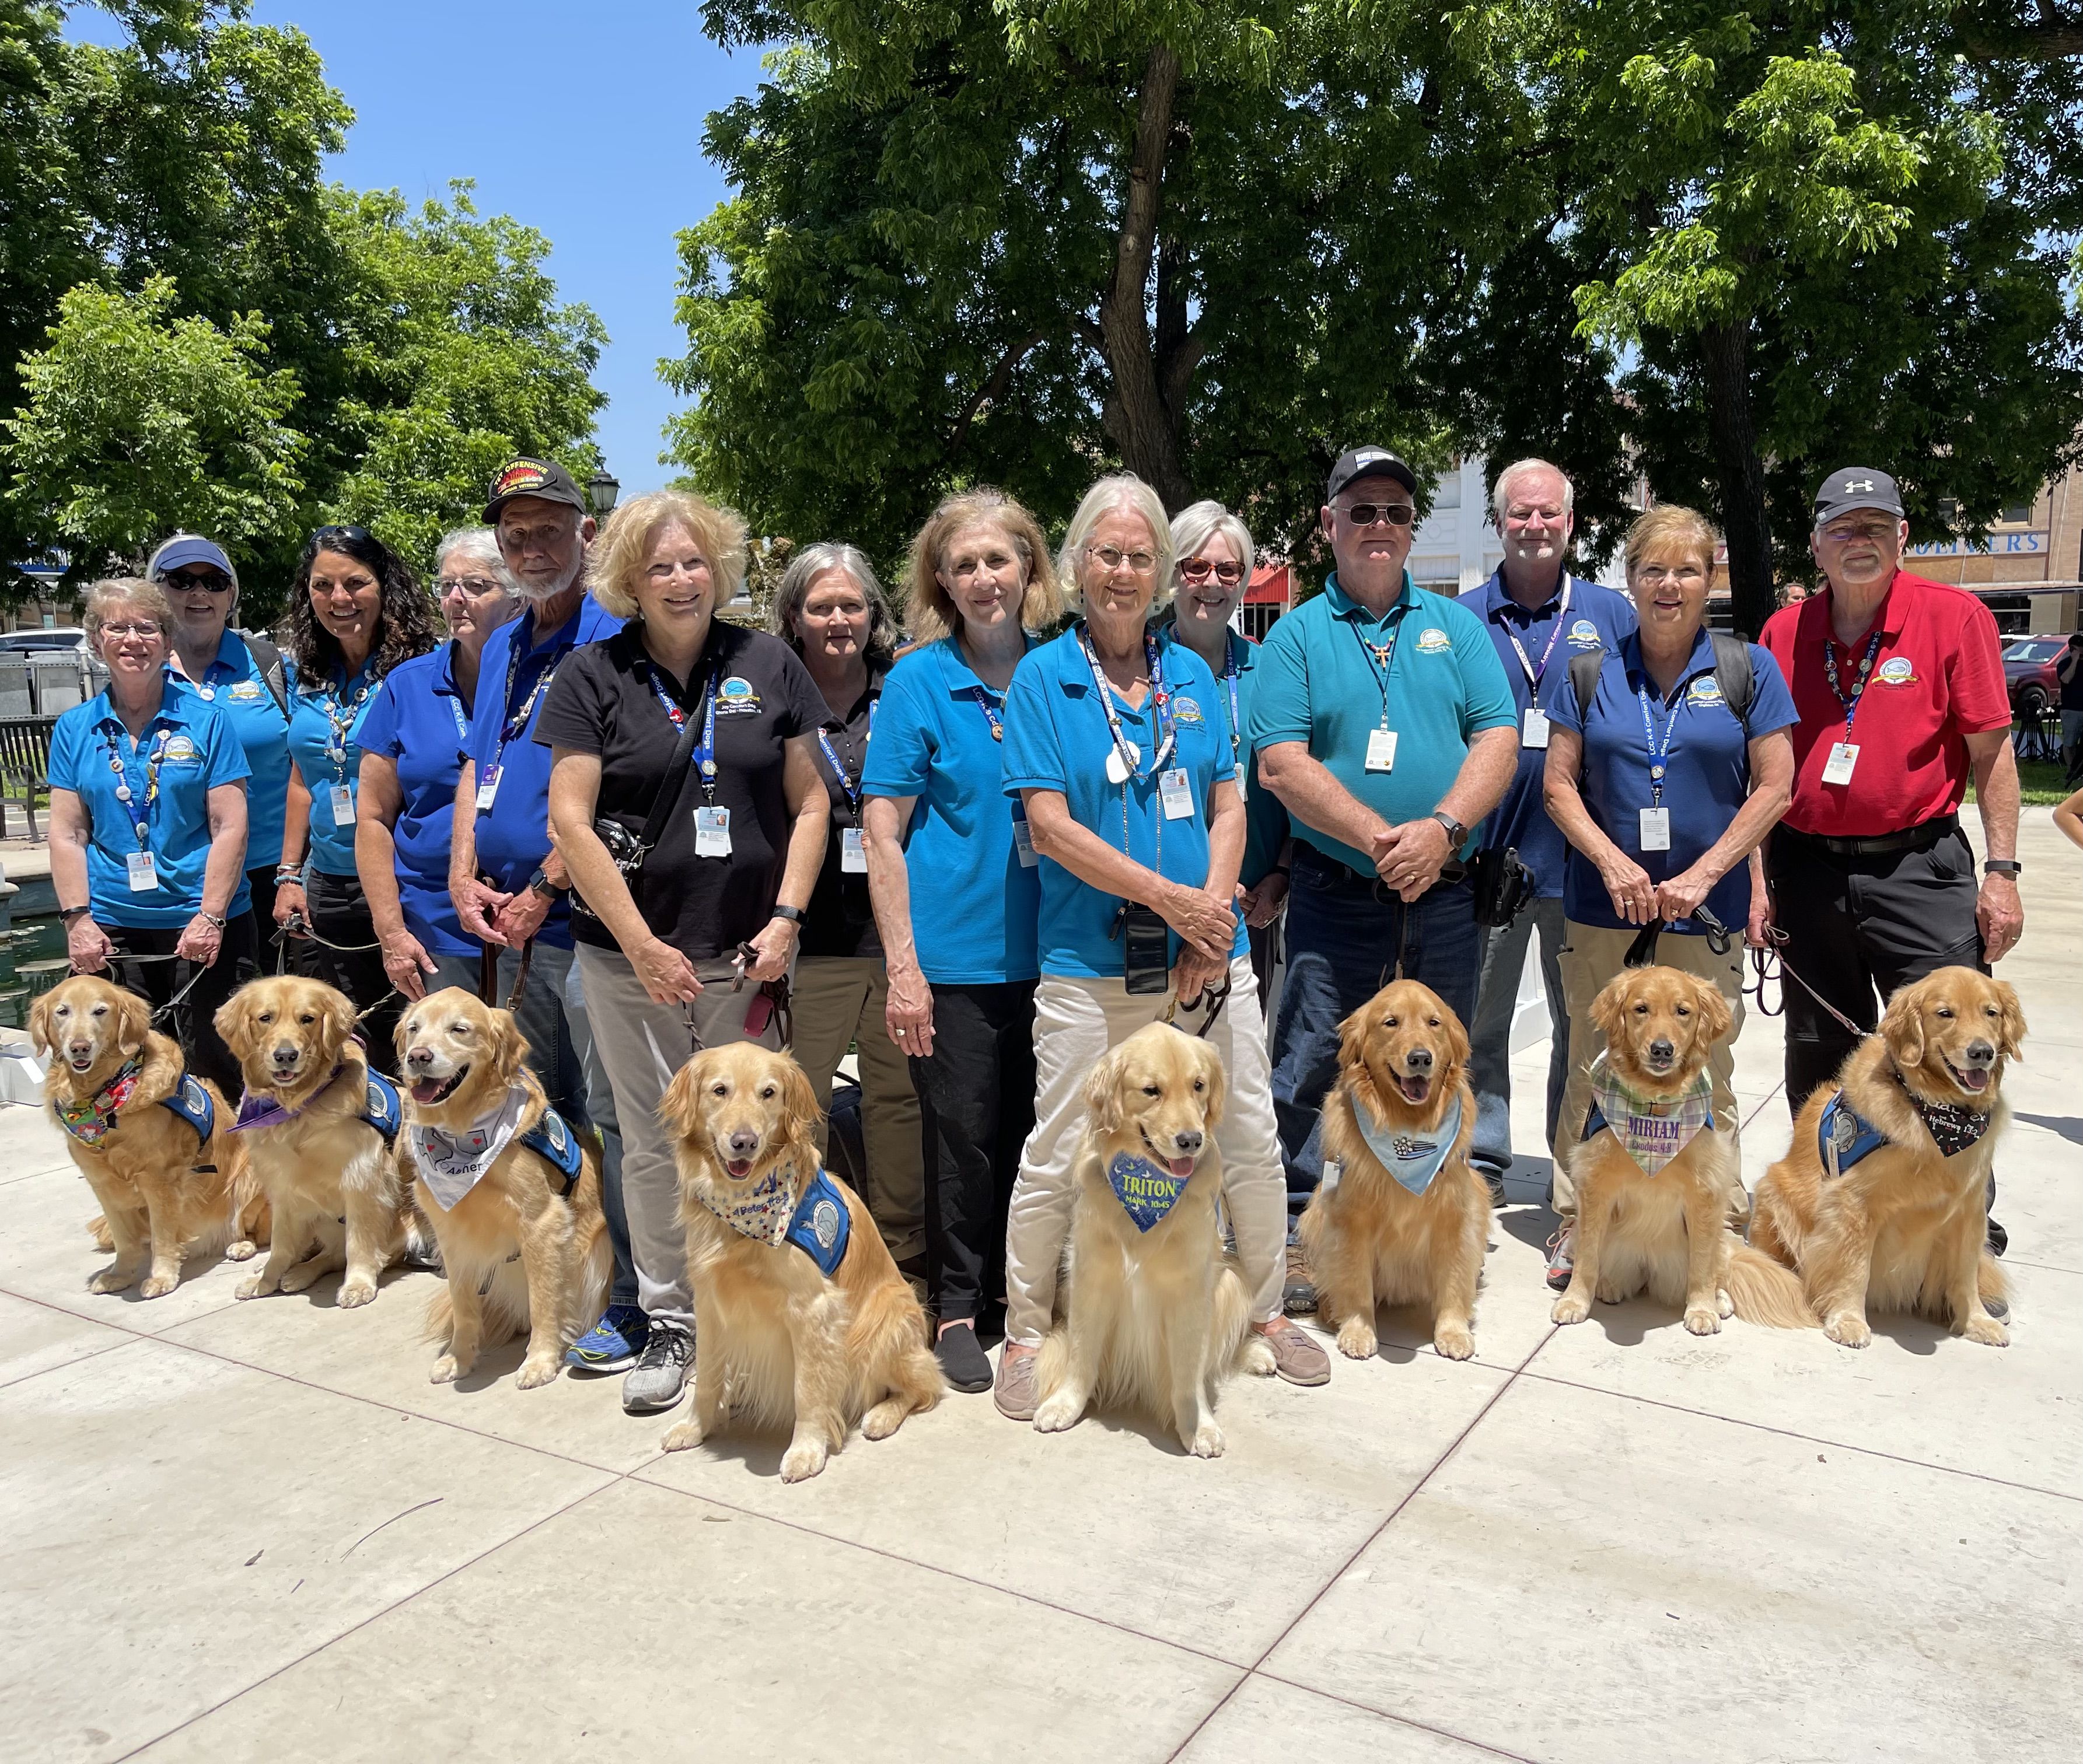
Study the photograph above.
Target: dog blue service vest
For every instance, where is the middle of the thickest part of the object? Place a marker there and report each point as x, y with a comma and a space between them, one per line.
1843, 1137
820, 1227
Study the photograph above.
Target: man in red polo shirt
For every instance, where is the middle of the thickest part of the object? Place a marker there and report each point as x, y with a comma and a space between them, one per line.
1900, 685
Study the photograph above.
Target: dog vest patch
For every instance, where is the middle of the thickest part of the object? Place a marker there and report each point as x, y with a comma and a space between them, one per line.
382, 1109
820, 1227
1147, 1193
553, 1140
1843, 1136
816, 1224
191, 1102
1652, 1129
1412, 1158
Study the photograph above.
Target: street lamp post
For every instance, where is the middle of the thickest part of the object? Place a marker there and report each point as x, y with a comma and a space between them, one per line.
602, 489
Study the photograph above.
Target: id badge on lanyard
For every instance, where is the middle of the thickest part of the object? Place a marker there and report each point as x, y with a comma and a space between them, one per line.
143, 877
1533, 731
711, 833
1176, 794
342, 805
1533, 727
1381, 750
853, 852
1837, 768
488, 788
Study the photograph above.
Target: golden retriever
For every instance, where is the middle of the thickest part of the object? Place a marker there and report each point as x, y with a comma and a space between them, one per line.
514, 1201
800, 1312
1896, 1220
330, 1176
127, 1104
1153, 1314
1371, 1239
1662, 1228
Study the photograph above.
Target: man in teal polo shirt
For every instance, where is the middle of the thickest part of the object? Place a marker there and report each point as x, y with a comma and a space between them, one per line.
1384, 721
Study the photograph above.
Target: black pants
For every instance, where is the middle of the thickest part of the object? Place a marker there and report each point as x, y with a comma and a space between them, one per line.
1859, 927
340, 914
193, 1021
976, 1101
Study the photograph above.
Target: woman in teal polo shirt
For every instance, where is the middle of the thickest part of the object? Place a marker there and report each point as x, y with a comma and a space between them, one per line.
938, 826
355, 613
1119, 754
148, 828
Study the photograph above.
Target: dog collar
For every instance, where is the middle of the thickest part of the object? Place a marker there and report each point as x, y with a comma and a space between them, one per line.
380, 1107
1413, 1159
817, 1223
93, 1120
1146, 1190
1653, 1130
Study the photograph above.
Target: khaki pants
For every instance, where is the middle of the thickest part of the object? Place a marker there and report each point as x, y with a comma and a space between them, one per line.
1591, 956
839, 1000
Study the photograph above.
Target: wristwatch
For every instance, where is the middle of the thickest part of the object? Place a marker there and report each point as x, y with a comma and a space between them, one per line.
1457, 835
543, 885
2002, 867
793, 914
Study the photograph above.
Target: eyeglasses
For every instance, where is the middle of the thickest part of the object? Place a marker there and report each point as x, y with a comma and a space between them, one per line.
142, 627
1684, 575
1111, 557
1197, 569
210, 581
472, 585
1366, 514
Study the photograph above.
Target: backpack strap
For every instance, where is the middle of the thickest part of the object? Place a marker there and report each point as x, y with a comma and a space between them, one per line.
1733, 674
270, 658
1584, 670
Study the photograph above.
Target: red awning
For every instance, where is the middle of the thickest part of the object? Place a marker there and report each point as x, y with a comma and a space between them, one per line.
1270, 586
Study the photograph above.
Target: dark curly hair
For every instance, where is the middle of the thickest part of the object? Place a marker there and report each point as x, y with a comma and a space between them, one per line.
405, 624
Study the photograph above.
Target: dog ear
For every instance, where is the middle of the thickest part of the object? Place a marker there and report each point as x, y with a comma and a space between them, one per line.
1352, 1037
340, 1019
680, 1108
1716, 1019
233, 1021
1457, 1036
40, 1023
1102, 1097
133, 1021
2012, 1020
509, 1047
401, 1035
799, 1098
1219, 1083
1607, 1007
1902, 1028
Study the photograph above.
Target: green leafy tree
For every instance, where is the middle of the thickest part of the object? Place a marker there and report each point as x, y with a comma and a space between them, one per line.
138, 421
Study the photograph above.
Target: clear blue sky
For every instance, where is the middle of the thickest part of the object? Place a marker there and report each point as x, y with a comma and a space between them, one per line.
584, 121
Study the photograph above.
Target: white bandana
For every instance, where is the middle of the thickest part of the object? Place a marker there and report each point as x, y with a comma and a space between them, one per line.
451, 1165
1652, 1129
1413, 1157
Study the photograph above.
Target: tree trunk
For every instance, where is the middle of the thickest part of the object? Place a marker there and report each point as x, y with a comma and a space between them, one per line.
1725, 352
1143, 424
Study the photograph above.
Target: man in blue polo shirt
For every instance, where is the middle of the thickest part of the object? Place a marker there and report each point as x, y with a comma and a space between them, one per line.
1538, 616
508, 883
1383, 719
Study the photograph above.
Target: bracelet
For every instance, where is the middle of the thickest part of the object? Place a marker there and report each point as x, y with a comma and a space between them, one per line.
793, 914
209, 917
2003, 866
287, 873
67, 914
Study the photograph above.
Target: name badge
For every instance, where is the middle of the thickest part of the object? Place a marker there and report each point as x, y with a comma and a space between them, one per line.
1656, 829
1837, 768
143, 877
1176, 794
853, 851
711, 833
342, 805
487, 790
1381, 751
1023, 841
1533, 732
1118, 763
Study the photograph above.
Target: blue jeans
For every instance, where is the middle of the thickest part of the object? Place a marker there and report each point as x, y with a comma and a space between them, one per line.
1489, 1034
1344, 941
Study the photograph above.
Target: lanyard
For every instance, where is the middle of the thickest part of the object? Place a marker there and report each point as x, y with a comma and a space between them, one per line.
1166, 733
1657, 755
455, 709
1533, 674
1859, 685
1232, 672
851, 785
990, 712
340, 713
140, 813
1381, 657
516, 720
703, 756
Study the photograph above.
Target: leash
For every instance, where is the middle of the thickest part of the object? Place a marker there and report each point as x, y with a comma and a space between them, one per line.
1778, 940
165, 1011
1215, 997
520, 979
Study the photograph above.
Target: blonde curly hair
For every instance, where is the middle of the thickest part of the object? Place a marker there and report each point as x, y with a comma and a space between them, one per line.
616, 561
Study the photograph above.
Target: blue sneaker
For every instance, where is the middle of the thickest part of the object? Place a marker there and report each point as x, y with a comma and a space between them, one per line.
613, 1344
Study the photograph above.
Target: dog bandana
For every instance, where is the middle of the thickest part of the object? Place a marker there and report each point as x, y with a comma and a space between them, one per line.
380, 1108
1654, 1130
452, 1164
1413, 1159
817, 1224
1953, 1126
1843, 1137
91, 1121
1147, 1193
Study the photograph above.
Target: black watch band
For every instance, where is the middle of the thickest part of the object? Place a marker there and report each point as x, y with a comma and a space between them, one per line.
1457, 835
2003, 866
67, 914
543, 885
793, 914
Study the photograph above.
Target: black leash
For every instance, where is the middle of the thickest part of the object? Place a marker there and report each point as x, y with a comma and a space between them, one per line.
163, 1011
1214, 997
1778, 940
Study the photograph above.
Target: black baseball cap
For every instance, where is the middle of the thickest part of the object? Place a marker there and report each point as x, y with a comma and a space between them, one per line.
543, 479
1356, 463
1857, 487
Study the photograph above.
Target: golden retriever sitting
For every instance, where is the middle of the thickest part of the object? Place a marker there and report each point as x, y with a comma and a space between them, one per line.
799, 1311
148, 1135
1407, 1219
512, 1193
1154, 1314
1882, 1198
1653, 1171
319, 1127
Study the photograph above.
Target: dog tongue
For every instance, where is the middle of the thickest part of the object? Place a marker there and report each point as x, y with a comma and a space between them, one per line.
738, 1167
1180, 1166
1974, 1080
427, 1090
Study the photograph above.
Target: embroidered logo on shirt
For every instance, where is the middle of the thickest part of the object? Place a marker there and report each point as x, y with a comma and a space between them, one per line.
246, 689
736, 697
1896, 671
1705, 689
1584, 634
1186, 711
1431, 640
181, 751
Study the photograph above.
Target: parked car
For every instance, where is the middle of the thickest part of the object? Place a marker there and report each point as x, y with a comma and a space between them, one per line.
2029, 673
40, 641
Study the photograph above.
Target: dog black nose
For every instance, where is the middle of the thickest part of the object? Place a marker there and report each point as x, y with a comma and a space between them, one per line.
285, 1055
744, 1142
1417, 1060
1981, 1054
1662, 1050
421, 1056
1189, 1144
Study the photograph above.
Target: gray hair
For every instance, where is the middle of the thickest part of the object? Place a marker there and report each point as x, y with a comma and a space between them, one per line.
1193, 527
481, 546
1122, 490
805, 568
104, 597
1501, 497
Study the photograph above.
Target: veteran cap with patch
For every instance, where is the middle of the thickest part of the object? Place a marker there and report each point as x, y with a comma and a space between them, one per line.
1857, 487
544, 478
1356, 463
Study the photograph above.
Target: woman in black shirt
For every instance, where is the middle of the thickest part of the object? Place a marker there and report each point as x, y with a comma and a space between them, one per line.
678, 946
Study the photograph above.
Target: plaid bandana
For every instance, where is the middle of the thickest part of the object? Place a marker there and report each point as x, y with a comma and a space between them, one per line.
93, 1120
1654, 1129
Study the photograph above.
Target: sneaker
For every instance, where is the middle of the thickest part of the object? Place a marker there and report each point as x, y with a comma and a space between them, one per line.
654, 1383
1296, 1357
613, 1344
1493, 1180
1998, 1308
1562, 1264
962, 1358
1016, 1394
1298, 1298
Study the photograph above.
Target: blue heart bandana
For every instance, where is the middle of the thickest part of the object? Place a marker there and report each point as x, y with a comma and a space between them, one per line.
1412, 1158
1147, 1191
1652, 1129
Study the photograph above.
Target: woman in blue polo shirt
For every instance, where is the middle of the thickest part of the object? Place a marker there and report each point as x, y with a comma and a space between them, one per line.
412, 743
1119, 755
962, 971
1663, 788
355, 613
148, 828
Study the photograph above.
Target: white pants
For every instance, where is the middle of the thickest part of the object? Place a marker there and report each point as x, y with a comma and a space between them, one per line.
1075, 1021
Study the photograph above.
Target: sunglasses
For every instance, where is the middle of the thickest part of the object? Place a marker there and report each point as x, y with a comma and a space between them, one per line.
1366, 514
353, 535
211, 581
1199, 569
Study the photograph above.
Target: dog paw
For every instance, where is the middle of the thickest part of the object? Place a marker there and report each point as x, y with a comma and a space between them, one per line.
537, 1370
1702, 1320
1258, 1359
1060, 1412
1454, 1344
158, 1285
803, 1460
253, 1286
111, 1280
1848, 1330
681, 1435
1987, 1331
1610, 1292
1207, 1441
445, 1370
884, 1418
1356, 1340
241, 1251
299, 1277
353, 1292
1570, 1308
